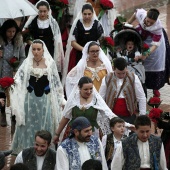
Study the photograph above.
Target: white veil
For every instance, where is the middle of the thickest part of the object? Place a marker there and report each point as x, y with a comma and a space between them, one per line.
78, 71
104, 112
19, 89
69, 47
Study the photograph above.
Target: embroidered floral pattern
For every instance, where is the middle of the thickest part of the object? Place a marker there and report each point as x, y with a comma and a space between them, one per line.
71, 147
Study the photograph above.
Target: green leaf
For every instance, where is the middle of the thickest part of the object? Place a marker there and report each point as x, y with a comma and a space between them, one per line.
121, 19
60, 14
101, 14
104, 48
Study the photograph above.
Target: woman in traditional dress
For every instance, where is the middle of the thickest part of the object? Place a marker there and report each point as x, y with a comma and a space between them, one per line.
106, 20
155, 62
86, 101
11, 45
94, 64
37, 96
85, 28
45, 27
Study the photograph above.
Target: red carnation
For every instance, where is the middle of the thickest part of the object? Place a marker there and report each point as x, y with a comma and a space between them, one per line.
109, 41
145, 46
155, 114
65, 2
116, 21
154, 100
13, 60
6, 82
106, 4
14, 63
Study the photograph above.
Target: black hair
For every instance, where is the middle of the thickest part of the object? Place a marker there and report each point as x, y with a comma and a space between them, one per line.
142, 120
87, 6
153, 14
43, 3
44, 134
10, 23
38, 42
115, 120
19, 166
92, 44
84, 80
120, 63
92, 164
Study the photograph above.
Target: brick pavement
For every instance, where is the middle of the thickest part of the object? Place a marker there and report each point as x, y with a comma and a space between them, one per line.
125, 7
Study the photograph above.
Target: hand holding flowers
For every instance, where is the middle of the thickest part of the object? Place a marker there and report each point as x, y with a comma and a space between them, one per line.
5, 83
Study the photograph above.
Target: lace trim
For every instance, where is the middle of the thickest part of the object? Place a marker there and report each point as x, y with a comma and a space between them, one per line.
95, 71
38, 72
86, 106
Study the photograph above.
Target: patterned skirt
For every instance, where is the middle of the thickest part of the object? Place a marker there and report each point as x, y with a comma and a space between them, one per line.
38, 116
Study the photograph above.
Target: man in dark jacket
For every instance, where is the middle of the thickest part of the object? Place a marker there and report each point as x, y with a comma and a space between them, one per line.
41, 156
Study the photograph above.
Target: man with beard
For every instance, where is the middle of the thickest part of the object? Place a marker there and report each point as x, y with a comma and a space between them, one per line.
79, 147
39, 157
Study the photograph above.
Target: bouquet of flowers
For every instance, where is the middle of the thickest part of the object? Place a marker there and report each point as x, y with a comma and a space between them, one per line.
155, 114
5, 83
154, 102
14, 63
107, 43
145, 49
105, 5
118, 23
60, 6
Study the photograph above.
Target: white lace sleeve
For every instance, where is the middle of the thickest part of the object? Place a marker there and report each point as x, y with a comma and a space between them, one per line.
71, 81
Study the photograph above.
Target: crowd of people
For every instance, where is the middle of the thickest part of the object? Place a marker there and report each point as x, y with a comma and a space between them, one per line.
72, 106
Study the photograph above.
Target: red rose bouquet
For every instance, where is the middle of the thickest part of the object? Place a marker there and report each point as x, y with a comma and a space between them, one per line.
105, 5
154, 115
118, 23
14, 63
154, 102
5, 83
145, 49
107, 43
60, 6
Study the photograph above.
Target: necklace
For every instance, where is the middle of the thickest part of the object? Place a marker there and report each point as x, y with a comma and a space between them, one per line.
37, 62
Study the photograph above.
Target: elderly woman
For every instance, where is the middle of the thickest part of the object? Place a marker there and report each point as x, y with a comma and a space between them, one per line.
94, 64
86, 101
45, 27
11, 43
153, 34
85, 28
37, 96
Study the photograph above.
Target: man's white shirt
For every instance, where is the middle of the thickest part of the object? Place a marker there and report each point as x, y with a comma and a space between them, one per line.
118, 159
